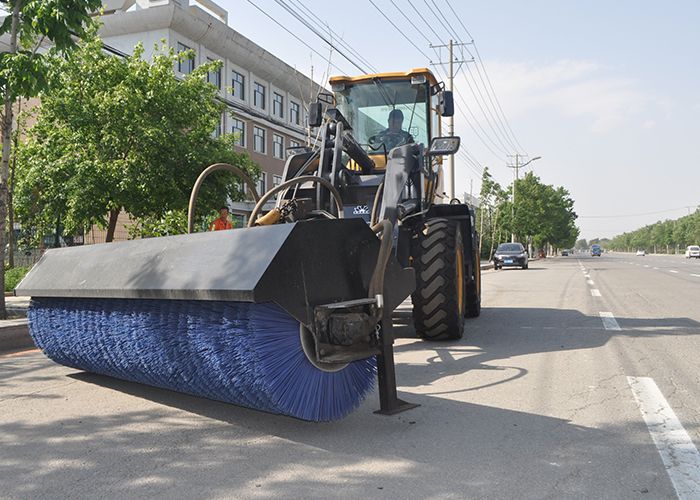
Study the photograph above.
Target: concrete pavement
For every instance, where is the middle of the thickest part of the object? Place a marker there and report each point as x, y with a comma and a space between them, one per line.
534, 402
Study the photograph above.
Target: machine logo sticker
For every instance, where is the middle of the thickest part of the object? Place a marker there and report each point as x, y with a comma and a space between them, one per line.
361, 210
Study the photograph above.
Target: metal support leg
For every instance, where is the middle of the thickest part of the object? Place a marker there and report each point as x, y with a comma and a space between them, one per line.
389, 403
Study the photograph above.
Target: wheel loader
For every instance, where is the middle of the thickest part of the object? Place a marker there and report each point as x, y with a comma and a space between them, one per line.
291, 315
394, 175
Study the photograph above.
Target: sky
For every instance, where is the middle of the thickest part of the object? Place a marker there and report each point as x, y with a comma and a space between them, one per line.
605, 92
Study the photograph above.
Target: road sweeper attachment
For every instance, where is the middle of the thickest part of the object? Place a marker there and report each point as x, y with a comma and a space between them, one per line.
275, 318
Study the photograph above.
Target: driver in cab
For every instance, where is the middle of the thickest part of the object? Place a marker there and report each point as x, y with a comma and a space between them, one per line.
394, 135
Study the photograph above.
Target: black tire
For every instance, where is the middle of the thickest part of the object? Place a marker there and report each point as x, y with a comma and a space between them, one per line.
473, 306
436, 310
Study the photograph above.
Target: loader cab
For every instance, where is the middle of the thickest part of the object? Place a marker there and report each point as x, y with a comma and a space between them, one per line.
372, 103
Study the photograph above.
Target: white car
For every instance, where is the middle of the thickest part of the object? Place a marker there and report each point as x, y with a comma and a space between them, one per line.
693, 251
641, 253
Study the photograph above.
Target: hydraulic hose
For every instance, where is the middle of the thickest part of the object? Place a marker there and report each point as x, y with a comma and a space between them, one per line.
198, 184
375, 204
293, 182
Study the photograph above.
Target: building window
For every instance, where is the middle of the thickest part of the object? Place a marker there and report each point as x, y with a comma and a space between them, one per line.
185, 65
278, 146
238, 128
278, 105
294, 113
259, 140
262, 183
238, 84
276, 180
214, 77
294, 144
217, 130
259, 95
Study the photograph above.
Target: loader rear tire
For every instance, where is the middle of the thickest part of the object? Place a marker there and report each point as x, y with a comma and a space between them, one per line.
473, 306
440, 296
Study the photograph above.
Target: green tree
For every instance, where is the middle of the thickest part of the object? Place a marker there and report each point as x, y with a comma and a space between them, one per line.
490, 197
24, 69
661, 236
123, 134
542, 214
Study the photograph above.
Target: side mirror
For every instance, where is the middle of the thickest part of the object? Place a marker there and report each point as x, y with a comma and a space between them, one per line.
446, 104
315, 114
442, 146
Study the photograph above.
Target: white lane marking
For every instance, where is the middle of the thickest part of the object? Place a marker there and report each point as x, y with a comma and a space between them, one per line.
595, 292
656, 268
673, 271
678, 453
646, 265
587, 275
609, 321
590, 282
696, 275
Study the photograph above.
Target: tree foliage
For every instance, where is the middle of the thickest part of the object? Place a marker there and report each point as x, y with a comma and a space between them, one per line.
542, 214
662, 236
26, 72
123, 134
24, 68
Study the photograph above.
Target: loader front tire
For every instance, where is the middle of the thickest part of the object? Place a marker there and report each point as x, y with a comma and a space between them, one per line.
440, 296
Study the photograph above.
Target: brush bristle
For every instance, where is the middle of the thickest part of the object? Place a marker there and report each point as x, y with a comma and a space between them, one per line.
237, 352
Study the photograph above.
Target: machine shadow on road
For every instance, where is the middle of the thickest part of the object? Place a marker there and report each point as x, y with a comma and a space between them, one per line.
136, 444
504, 333
456, 448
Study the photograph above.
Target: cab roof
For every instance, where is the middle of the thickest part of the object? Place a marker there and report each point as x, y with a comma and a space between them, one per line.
397, 75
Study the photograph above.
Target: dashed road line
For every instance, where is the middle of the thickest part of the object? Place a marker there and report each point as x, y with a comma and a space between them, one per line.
595, 292
673, 271
609, 321
678, 453
590, 282
696, 275
656, 268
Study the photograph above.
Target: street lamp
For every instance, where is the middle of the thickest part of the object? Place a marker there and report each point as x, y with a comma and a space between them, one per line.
517, 167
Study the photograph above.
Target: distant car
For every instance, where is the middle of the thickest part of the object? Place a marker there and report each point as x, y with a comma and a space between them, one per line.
692, 252
564, 253
641, 253
596, 251
510, 255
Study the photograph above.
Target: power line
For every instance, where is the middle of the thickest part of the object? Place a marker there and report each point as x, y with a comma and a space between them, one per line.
687, 207
497, 133
399, 30
306, 23
296, 36
499, 120
324, 24
488, 79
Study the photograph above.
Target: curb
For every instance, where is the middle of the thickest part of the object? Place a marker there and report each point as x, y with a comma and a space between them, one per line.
14, 335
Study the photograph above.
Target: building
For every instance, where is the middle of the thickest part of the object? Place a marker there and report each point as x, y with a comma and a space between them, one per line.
267, 98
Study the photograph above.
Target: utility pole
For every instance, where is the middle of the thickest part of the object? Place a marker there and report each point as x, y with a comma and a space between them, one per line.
512, 208
450, 79
517, 167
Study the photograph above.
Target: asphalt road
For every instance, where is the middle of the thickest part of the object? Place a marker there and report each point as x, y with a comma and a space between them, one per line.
544, 398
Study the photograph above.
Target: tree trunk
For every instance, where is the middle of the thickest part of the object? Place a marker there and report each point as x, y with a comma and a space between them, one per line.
10, 189
5, 166
11, 232
112, 226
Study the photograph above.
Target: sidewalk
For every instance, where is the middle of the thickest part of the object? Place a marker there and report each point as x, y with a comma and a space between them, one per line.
14, 334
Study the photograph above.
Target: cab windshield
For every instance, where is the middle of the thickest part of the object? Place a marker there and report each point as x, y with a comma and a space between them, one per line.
367, 107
